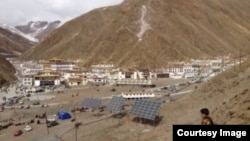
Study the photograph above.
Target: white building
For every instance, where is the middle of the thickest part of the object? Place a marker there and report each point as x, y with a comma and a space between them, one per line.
189, 71
117, 75
142, 74
137, 95
76, 81
131, 74
47, 79
27, 80
175, 70
102, 68
186, 70
72, 73
98, 80
62, 66
134, 82
32, 69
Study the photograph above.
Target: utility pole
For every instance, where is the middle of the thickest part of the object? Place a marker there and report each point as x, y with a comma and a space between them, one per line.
46, 122
75, 124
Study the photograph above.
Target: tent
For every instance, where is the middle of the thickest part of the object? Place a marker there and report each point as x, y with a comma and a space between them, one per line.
63, 115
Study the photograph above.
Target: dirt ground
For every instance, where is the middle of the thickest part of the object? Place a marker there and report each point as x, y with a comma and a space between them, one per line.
95, 125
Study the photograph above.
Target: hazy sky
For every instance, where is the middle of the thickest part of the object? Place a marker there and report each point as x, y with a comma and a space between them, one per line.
16, 12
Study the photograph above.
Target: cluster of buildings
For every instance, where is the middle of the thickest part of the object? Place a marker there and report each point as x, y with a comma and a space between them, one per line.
56, 71
51, 72
198, 67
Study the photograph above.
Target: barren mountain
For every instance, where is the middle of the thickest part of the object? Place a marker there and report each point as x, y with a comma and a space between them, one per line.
7, 72
148, 33
13, 42
39, 29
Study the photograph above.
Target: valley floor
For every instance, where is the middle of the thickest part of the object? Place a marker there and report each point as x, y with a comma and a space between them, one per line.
95, 125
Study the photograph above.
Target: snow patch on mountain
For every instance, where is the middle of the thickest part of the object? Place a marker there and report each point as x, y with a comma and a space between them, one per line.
38, 29
144, 26
16, 31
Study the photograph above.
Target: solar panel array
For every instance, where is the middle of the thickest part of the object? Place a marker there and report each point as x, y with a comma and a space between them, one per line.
116, 104
145, 109
91, 103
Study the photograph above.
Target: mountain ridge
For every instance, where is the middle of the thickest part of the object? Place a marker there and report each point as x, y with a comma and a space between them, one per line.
12, 43
39, 29
16, 40
147, 34
16, 31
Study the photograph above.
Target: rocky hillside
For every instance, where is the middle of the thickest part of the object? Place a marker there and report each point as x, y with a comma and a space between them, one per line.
235, 108
13, 42
7, 72
226, 95
38, 29
148, 33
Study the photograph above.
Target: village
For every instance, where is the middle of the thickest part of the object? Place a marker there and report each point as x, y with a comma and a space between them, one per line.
56, 72
47, 87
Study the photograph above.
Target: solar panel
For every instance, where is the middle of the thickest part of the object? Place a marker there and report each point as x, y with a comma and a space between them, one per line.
145, 109
116, 104
91, 103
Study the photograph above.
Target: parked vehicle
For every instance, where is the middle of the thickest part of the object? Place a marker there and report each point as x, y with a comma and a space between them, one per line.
51, 119
20, 101
27, 107
44, 105
52, 124
36, 102
18, 133
27, 128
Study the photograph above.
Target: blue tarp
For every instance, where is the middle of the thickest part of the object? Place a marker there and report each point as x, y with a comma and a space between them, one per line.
63, 115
